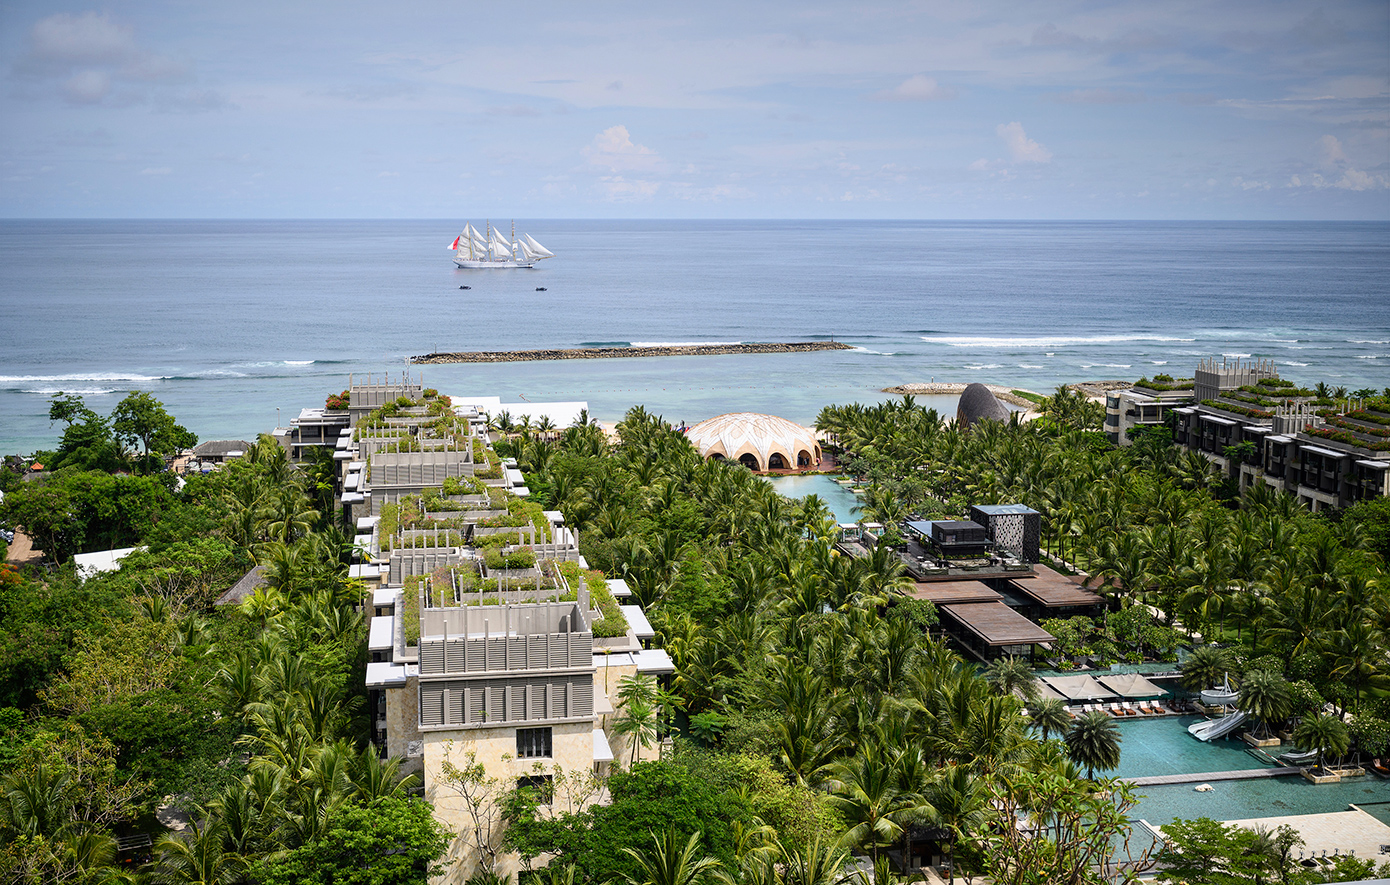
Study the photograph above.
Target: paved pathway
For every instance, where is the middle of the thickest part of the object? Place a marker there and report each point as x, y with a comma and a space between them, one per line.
1202, 777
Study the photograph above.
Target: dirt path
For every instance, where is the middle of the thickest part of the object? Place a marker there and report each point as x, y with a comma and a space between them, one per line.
23, 551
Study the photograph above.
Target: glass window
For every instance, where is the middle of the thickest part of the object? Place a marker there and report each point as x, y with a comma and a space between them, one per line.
533, 742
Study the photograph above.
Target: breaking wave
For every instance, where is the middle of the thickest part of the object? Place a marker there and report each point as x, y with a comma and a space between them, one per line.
1047, 341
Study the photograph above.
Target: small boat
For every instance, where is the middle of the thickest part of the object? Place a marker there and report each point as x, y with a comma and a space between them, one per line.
540, 288
465, 287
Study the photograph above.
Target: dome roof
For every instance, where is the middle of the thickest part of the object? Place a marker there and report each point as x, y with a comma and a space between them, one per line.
977, 403
739, 435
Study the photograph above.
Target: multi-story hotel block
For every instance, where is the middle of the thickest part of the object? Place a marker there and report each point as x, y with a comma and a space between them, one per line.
1258, 428
490, 641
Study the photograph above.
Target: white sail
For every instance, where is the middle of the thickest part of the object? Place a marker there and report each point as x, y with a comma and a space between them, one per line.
501, 247
479, 245
540, 250
526, 250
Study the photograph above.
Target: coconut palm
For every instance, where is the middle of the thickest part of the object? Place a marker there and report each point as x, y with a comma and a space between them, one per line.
1010, 674
815, 863
961, 804
1094, 741
1265, 696
1325, 733
196, 859
670, 862
1206, 666
864, 789
1050, 716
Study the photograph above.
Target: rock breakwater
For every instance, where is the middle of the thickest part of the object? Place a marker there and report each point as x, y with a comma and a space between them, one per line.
605, 353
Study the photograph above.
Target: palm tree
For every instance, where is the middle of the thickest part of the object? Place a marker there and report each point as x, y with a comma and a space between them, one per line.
198, 859
865, 791
671, 863
961, 804
1206, 666
1265, 696
816, 863
1094, 741
1010, 674
1325, 733
1050, 716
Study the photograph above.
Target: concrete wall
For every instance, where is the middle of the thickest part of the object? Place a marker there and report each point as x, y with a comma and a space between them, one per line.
572, 748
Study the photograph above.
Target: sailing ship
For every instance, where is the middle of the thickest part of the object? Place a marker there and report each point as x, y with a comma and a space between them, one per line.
491, 248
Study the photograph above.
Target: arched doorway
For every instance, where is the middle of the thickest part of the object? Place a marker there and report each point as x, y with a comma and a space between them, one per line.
775, 461
803, 458
749, 460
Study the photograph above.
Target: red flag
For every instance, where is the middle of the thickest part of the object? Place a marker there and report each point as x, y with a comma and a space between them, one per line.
455, 244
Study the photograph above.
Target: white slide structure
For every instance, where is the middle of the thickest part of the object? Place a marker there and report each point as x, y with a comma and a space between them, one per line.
1215, 728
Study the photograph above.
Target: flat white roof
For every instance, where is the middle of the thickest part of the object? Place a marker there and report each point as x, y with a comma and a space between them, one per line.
384, 596
367, 523
356, 465
341, 456
1379, 465
381, 633
602, 751
619, 588
364, 571
1218, 419
1279, 439
102, 560
1326, 453
641, 627
562, 415
384, 674
554, 517
514, 477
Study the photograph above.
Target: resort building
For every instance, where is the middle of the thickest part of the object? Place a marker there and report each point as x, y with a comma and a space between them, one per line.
491, 644
759, 442
1143, 405
1259, 428
978, 403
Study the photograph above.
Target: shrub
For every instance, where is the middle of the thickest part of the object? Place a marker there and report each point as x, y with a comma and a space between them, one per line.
336, 402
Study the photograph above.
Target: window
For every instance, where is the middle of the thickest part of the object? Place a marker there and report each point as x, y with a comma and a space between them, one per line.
540, 786
532, 742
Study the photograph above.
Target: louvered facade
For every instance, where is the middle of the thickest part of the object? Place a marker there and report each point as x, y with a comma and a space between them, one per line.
508, 665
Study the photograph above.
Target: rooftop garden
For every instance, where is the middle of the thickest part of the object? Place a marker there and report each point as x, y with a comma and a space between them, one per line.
465, 585
1164, 382
1236, 409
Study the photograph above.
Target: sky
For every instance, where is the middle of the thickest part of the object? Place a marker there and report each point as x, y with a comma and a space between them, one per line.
806, 109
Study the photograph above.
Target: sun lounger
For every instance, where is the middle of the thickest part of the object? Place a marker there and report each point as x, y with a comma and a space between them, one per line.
1129, 709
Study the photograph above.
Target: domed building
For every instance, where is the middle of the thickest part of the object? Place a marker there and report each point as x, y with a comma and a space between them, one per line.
978, 403
759, 442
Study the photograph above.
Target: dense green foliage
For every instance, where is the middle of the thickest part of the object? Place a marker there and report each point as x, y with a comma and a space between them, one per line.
128, 691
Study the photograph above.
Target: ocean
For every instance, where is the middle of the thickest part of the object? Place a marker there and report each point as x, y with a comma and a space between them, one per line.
237, 325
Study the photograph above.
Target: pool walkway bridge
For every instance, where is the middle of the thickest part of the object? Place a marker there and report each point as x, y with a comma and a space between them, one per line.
1201, 777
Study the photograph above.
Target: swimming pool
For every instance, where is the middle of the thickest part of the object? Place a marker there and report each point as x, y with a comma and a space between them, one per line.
840, 500
1264, 797
1152, 747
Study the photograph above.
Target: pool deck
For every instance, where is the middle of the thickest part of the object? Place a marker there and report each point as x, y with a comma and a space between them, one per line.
1201, 777
1344, 832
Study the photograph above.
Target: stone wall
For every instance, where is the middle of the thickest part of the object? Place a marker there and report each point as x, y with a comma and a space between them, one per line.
600, 353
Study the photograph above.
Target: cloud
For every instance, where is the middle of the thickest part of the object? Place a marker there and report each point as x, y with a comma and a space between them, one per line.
1021, 147
1332, 159
617, 189
918, 87
613, 148
1100, 96
1332, 152
92, 59
514, 110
